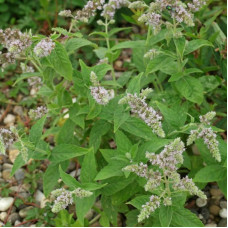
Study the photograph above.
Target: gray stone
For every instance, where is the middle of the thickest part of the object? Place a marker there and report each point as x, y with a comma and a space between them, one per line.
9, 120
223, 204
24, 211
13, 217
223, 213
6, 174
216, 193
5, 203
18, 110
211, 225
19, 174
89, 214
214, 209
205, 213
7, 166
223, 223
201, 202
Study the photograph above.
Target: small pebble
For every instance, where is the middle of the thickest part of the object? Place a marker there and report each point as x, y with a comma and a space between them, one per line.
19, 174
9, 120
24, 211
18, 110
214, 209
89, 214
7, 166
223, 213
13, 217
13, 154
223, 204
3, 216
205, 212
211, 225
17, 223
201, 202
40, 198
216, 193
5, 203
223, 223
6, 174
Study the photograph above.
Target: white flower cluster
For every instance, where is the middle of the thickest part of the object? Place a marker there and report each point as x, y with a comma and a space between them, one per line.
38, 113
110, 8
99, 93
196, 5
16, 44
207, 135
149, 208
137, 5
7, 138
152, 53
65, 197
163, 173
44, 47
177, 9
146, 113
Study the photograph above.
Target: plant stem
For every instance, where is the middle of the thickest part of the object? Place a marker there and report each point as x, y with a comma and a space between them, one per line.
94, 219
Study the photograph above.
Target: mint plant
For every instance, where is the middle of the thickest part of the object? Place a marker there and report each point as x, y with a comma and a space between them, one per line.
130, 133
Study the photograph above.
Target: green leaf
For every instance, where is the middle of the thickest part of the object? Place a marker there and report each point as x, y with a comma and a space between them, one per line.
104, 221
119, 117
66, 133
116, 30
175, 115
68, 179
223, 186
83, 205
37, 130
184, 218
26, 76
109, 209
165, 215
51, 176
190, 88
64, 152
134, 85
60, 61
137, 127
210, 173
123, 143
100, 128
138, 201
180, 46
194, 45
129, 44
111, 170
73, 44
158, 63
89, 168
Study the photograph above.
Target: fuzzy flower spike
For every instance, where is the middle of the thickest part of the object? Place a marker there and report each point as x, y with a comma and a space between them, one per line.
44, 47
65, 197
99, 93
146, 113
178, 11
164, 174
207, 134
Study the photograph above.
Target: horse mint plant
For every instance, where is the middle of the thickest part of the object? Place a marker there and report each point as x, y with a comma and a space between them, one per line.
120, 94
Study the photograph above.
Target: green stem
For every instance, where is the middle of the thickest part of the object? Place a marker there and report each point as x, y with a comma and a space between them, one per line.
148, 36
159, 83
94, 219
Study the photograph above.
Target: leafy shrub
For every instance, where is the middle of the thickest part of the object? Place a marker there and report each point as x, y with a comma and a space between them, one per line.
132, 135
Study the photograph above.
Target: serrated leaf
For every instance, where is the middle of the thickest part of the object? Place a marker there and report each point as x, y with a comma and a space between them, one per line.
165, 215
185, 218
64, 152
195, 45
191, 89
210, 173
60, 61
